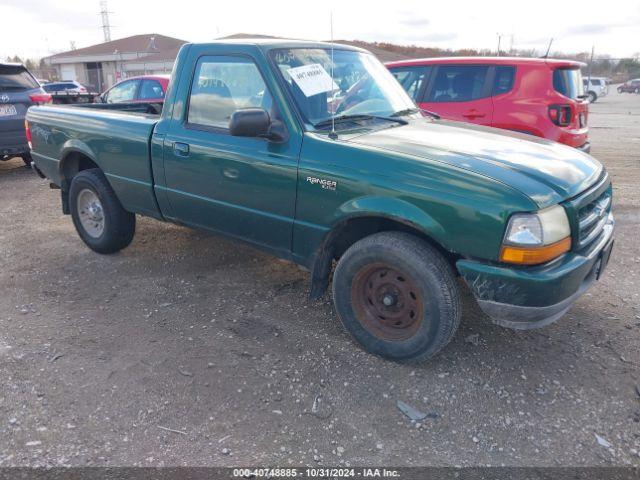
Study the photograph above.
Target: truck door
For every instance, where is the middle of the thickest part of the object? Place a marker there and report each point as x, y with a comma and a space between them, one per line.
460, 92
240, 186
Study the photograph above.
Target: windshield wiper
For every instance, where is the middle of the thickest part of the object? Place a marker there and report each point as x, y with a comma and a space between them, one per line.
409, 111
356, 117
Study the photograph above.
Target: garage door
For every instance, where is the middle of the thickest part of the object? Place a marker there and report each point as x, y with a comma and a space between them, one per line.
68, 72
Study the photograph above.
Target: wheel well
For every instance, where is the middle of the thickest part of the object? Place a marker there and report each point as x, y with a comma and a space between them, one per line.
72, 164
352, 230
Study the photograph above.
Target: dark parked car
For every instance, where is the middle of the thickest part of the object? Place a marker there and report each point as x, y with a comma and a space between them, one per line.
632, 86
18, 91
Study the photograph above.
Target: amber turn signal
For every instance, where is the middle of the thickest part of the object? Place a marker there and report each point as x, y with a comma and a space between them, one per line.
534, 255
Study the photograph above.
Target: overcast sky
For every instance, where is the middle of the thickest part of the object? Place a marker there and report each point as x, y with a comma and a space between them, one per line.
36, 28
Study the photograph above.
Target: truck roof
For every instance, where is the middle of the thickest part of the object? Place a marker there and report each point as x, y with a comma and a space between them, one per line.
552, 62
271, 43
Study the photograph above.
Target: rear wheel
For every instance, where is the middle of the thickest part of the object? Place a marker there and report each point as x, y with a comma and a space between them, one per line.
397, 296
97, 213
592, 97
26, 158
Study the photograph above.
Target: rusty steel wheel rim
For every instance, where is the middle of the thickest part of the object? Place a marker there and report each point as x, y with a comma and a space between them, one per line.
387, 302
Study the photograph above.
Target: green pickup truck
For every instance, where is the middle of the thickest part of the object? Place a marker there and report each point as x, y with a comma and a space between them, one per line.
314, 152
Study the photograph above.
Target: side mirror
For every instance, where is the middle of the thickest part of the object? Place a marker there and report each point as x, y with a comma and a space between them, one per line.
250, 122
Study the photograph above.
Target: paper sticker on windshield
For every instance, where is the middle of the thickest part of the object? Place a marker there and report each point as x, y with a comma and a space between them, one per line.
312, 79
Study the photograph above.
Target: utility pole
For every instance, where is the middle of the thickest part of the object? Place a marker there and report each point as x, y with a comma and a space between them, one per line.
106, 27
499, 38
593, 47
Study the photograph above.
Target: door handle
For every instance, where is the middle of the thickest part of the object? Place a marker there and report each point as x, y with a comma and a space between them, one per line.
473, 114
181, 149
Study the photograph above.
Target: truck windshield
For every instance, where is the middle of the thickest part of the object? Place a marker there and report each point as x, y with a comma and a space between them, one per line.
568, 82
361, 87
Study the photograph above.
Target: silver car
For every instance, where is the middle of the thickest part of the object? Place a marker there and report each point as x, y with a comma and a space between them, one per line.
595, 87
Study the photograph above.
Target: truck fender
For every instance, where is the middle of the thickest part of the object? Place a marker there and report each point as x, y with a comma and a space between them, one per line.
69, 148
365, 216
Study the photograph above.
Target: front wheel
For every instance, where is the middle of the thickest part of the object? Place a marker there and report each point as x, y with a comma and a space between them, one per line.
97, 213
397, 296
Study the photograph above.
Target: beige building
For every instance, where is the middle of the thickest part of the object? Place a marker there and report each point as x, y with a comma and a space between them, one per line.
101, 66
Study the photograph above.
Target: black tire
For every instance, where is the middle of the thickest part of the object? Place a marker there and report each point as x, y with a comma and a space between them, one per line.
26, 158
119, 225
592, 97
432, 290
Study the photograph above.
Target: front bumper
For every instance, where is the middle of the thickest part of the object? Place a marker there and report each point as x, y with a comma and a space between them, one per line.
524, 298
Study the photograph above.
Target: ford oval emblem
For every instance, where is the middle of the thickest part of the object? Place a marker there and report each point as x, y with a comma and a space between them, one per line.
4, 98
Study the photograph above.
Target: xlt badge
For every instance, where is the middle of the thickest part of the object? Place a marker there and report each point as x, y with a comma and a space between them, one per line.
326, 184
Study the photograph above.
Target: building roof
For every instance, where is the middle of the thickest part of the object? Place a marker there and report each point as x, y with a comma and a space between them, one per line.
149, 44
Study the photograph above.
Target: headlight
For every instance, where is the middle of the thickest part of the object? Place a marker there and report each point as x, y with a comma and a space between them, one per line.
533, 238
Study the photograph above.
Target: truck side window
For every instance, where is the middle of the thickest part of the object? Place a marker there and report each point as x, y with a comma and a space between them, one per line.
221, 85
459, 83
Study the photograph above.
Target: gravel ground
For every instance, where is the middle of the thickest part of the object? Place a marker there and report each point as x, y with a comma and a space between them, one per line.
188, 349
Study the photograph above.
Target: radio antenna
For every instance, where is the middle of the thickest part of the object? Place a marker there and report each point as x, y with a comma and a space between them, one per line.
333, 116
546, 55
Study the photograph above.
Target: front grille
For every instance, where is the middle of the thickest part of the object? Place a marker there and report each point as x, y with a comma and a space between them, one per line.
592, 218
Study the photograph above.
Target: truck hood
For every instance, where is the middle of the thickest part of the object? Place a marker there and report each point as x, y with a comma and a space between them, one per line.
545, 171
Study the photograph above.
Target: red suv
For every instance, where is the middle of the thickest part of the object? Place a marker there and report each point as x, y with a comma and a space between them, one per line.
537, 96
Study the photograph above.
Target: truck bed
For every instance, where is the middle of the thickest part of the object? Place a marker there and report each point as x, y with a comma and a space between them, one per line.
152, 108
115, 140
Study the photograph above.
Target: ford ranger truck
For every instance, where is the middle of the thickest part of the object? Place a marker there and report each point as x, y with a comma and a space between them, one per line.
267, 142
